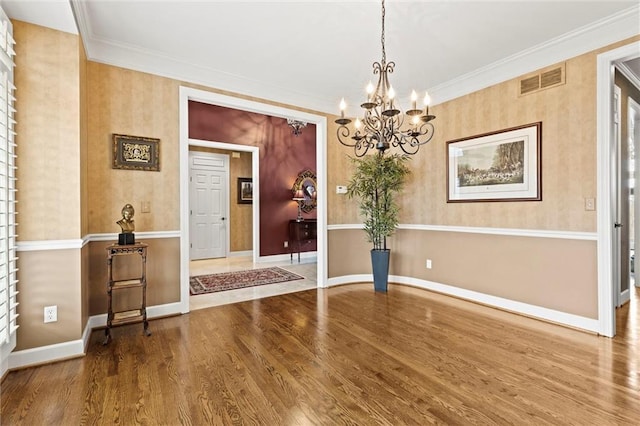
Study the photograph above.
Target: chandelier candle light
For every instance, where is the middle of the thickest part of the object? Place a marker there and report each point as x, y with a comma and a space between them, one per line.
382, 124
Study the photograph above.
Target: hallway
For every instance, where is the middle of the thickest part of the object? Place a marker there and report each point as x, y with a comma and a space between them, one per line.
230, 264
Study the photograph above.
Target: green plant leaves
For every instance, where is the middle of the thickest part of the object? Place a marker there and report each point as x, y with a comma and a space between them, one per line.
376, 181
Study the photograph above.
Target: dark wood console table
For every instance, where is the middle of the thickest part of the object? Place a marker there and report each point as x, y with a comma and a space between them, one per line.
301, 232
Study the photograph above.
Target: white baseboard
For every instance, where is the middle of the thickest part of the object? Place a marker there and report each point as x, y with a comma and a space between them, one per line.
46, 354
349, 279
571, 320
77, 348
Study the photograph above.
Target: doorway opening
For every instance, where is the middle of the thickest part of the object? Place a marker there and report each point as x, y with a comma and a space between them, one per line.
607, 223
189, 94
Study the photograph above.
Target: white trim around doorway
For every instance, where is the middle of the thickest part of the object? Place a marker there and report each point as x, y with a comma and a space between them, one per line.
605, 82
187, 94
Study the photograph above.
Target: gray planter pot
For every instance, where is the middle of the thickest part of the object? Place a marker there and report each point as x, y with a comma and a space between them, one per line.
380, 264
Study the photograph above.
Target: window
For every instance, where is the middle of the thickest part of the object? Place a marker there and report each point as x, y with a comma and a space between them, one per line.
8, 259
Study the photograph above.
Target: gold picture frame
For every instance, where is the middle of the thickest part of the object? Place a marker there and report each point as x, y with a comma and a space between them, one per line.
136, 153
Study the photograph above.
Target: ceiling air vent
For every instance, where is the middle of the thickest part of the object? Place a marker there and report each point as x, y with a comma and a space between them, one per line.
544, 79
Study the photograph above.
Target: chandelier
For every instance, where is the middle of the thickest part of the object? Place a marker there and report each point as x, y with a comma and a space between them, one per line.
383, 125
296, 126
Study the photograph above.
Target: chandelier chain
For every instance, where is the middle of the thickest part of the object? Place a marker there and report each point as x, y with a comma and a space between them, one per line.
384, 52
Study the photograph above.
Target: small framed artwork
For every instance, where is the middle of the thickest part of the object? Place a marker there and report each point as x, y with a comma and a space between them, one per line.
136, 153
498, 166
245, 190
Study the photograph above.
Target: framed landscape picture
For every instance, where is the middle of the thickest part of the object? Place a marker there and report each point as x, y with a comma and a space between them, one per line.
498, 166
136, 153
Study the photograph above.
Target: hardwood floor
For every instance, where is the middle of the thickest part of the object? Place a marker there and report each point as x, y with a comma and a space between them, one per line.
345, 355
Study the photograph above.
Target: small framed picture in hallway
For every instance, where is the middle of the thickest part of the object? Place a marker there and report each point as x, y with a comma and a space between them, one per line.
245, 190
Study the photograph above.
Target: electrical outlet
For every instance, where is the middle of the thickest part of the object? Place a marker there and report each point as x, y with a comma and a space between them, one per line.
428, 263
589, 204
286, 244
50, 313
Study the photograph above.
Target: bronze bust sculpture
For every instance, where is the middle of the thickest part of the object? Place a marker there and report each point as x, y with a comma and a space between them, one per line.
127, 225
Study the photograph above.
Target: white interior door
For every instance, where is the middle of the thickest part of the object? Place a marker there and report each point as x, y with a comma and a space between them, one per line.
621, 295
208, 200
634, 141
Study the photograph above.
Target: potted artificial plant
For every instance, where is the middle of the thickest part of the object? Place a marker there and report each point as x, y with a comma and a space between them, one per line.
376, 181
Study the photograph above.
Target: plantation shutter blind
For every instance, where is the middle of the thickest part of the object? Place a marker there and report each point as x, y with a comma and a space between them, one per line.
8, 259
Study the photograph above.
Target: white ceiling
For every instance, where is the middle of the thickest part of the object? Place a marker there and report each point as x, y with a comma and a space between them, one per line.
311, 53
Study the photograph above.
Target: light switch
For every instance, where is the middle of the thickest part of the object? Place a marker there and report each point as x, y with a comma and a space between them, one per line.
341, 189
146, 207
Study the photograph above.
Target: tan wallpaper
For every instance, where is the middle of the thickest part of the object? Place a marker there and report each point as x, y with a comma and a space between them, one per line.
137, 104
568, 115
84, 176
50, 77
568, 156
48, 126
241, 214
84, 144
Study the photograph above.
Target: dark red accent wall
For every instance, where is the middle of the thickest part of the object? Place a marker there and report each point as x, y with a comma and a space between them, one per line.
282, 157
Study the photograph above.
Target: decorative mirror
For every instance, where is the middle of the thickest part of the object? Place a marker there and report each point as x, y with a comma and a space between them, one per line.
305, 191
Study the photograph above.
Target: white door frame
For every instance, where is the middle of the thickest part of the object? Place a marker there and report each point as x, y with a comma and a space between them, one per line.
605, 82
187, 94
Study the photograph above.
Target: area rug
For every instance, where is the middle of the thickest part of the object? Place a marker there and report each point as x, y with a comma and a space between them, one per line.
213, 283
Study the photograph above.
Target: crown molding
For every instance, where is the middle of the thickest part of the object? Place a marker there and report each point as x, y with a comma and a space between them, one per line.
143, 60
609, 30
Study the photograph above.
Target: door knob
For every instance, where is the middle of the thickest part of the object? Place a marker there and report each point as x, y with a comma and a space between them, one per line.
223, 218
617, 225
